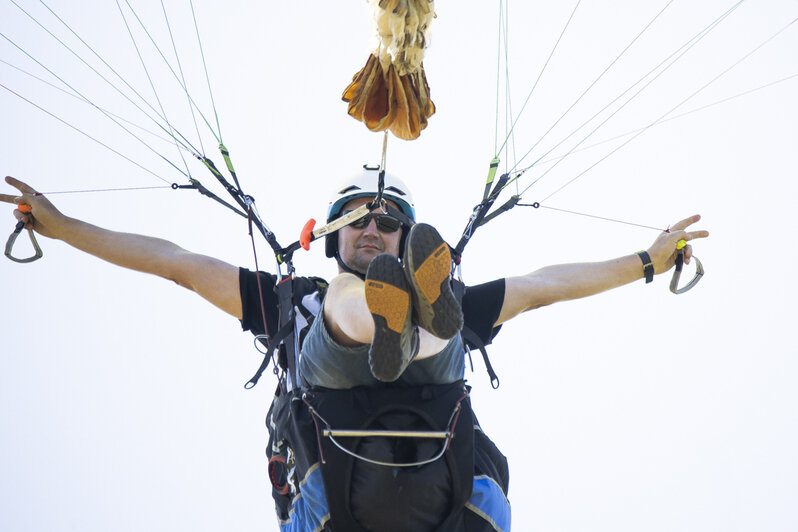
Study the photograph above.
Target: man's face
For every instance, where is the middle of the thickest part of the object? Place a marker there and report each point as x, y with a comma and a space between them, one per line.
357, 247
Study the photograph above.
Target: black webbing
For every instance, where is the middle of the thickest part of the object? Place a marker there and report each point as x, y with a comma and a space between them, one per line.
472, 338
399, 215
285, 298
196, 185
478, 214
509, 204
283, 333
243, 201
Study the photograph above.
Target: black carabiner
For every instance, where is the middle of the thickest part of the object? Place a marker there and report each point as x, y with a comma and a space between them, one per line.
677, 272
13, 238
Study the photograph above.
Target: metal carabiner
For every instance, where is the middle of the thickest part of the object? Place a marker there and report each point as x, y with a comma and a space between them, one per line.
13, 238
677, 272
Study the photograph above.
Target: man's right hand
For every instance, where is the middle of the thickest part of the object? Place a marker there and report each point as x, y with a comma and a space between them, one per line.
214, 280
44, 218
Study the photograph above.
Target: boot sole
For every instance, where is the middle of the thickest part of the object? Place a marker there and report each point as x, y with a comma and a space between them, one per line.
428, 265
388, 300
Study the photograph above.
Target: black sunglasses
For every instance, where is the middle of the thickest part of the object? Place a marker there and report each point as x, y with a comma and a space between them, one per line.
385, 222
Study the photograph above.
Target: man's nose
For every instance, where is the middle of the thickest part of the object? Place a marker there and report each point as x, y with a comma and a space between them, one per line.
371, 227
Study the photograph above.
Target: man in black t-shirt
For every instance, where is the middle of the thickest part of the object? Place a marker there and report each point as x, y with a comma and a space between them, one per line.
354, 247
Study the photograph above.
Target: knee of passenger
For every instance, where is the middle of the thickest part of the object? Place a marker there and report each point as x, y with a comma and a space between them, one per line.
344, 284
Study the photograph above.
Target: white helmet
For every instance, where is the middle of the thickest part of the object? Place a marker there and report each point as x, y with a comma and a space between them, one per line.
365, 184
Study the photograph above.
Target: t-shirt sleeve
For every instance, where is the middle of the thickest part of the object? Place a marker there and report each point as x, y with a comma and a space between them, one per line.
251, 301
482, 305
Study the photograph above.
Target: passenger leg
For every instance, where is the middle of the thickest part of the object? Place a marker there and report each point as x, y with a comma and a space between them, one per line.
350, 322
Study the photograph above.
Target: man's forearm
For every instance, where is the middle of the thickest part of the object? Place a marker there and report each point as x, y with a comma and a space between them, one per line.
137, 252
564, 282
573, 281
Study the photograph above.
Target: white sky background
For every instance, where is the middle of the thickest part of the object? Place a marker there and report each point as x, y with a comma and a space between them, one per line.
122, 395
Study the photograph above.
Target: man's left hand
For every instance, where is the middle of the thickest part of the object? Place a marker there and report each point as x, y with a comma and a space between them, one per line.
664, 249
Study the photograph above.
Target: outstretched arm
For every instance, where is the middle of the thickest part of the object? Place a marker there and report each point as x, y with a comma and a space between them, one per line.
214, 280
573, 281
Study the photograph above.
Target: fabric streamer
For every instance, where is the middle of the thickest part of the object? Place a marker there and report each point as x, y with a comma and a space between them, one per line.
391, 91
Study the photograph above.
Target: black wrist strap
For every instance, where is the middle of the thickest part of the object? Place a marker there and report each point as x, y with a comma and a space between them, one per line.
648, 266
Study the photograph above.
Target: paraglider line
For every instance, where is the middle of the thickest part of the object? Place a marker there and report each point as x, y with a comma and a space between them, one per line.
87, 135
104, 190
538, 205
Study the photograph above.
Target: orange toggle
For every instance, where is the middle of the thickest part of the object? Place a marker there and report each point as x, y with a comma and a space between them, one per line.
24, 208
306, 236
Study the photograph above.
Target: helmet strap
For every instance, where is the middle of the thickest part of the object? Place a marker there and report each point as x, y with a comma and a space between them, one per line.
345, 268
407, 222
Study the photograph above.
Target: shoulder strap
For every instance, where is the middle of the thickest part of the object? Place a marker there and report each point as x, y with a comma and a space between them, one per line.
290, 293
287, 346
284, 339
470, 337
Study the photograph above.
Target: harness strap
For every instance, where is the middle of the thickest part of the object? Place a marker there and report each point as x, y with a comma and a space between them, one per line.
509, 204
399, 215
244, 201
480, 211
284, 332
285, 300
472, 338
284, 336
199, 187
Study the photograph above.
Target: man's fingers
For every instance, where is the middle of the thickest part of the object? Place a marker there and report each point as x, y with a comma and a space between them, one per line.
19, 185
697, 234
22, 217
687, 222
675, 235
679, 235
7, 198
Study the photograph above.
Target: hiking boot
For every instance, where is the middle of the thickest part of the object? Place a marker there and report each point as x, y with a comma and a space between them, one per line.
428, 265
395, 341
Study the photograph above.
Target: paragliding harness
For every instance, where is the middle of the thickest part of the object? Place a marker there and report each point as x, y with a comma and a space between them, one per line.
407, 447
381, 458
